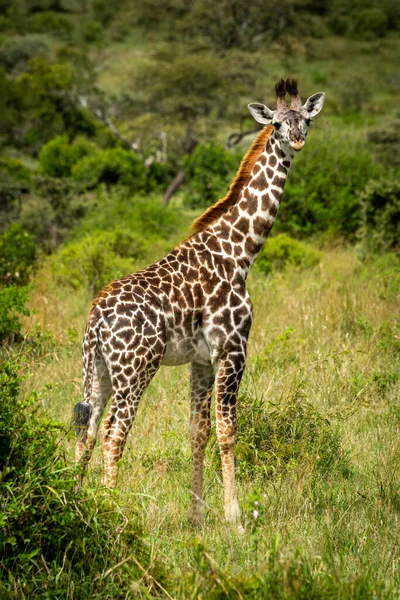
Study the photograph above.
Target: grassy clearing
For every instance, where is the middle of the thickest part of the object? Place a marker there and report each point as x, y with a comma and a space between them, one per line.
324, 339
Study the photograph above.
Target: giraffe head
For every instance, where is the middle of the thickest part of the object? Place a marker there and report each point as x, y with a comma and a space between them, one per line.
291, 121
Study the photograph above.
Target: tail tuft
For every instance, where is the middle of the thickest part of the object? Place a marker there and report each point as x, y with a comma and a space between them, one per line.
81, 416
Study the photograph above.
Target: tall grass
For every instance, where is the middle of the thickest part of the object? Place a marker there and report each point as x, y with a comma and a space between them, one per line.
324, 351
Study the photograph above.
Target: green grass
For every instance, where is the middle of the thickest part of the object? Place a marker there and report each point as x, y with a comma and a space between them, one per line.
330, 333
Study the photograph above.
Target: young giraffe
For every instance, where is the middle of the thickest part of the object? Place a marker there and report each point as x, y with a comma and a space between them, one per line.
192, 306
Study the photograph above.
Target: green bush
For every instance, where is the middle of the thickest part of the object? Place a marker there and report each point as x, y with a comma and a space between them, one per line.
54, 537
16, 52
12, 305
46, 105
50, 23
18, 253
146, 216
321, 194
283, 437
282, 251
369, 23
58, 156
15, 181
380, 206
51, 209
97, 259
209, 173
110, 166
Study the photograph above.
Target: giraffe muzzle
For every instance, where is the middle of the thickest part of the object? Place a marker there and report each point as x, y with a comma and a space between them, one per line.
297, 145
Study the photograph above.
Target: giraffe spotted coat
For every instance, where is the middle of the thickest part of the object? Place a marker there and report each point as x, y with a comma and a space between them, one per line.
191, 307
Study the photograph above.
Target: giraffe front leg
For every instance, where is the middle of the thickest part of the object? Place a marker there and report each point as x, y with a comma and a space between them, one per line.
201, 384
228, 379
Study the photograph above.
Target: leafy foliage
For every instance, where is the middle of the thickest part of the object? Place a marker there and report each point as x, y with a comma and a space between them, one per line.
97, 259
321, 193
209, 171
15, 181
18, 253
58, 156
12, 305
15, 53
52, 535
380, 202
282, 251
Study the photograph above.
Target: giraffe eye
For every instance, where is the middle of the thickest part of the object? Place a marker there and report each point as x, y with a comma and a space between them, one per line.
308, 121
277, 125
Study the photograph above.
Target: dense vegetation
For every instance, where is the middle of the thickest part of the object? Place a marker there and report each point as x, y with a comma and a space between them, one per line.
119, 123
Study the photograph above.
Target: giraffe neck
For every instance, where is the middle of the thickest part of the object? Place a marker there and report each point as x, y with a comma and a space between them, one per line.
243, 230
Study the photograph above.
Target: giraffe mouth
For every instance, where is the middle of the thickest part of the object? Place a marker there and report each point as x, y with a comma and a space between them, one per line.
297, 145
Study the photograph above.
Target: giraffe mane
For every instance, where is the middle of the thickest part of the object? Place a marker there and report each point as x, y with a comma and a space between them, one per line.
246, 166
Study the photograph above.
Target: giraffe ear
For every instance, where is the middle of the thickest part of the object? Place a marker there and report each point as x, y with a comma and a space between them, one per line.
261, 113
314, 104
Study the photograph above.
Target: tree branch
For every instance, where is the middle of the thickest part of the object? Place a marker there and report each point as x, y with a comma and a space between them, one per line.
236, 138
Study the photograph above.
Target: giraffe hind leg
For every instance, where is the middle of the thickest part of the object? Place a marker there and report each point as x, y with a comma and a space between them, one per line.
120, 417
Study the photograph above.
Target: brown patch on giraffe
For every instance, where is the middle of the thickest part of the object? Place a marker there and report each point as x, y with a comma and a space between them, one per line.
277, 194
272, 160
243, 225
279, 181
282, 169
214, 212
273, 209
265, 202
256, 169
260, 182
270, 173
214, 244
251, 205
236, 236
260, 226
227, 246
263, 160
252, 247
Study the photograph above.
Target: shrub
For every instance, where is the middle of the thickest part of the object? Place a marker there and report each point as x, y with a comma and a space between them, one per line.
15, 181
148, 217
12, 304
53, 537
17, 51
291, 433
321, 193
58, 156
369, 23
52, 209
110, 166
209, 171
50, 23
282, 251
18, 253
97, 259
380, 206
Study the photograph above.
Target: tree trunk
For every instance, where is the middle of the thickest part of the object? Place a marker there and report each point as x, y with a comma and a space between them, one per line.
173, 186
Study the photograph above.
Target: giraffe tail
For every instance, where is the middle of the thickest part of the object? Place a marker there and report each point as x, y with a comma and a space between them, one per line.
83, 410
80, 418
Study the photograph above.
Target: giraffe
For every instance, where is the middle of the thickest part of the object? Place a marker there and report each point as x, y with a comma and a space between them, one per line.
192, 307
